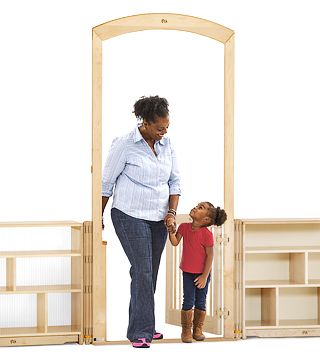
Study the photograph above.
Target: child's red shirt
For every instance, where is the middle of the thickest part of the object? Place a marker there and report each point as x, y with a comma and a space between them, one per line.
194, 244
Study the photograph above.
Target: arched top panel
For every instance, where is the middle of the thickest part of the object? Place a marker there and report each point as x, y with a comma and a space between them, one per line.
163, 21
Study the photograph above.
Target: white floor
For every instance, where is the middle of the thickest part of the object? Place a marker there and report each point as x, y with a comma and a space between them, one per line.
169, 332
253, 348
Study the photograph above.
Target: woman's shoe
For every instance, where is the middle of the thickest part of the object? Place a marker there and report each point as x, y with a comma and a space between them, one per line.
157, 336
140, 343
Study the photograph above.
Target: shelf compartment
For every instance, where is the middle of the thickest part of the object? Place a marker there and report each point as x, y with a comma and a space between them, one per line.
314, 268
299, 307
45, 271
282, 234
275, 269
18, 310
261, 307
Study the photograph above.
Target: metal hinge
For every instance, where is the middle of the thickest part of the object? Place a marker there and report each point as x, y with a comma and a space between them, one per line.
237, 285
225, 313
223, 240
88, 259
237, 332
87, 228
87, 289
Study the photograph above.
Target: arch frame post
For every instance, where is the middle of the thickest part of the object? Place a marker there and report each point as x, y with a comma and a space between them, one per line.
159, 21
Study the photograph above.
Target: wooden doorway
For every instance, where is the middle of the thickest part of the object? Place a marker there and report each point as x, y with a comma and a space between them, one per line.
160, 22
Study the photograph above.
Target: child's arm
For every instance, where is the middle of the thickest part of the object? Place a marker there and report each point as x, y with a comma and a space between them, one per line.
201, 280
175, 238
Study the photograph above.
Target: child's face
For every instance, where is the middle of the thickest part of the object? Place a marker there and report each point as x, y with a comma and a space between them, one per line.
200, 212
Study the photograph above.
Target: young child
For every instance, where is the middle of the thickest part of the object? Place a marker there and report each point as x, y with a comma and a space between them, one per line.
196, 263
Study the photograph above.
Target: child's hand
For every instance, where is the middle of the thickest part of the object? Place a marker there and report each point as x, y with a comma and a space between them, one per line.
170, 224
200, 281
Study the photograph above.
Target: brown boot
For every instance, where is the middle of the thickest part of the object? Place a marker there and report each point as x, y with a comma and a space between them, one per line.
186, 322
199, 316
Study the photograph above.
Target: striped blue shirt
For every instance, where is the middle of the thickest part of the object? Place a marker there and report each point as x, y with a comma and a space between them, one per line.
142, 182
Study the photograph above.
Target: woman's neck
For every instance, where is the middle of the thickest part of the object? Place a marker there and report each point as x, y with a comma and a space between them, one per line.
145, 136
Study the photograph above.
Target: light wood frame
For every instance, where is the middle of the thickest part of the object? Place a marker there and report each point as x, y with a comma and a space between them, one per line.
159, 21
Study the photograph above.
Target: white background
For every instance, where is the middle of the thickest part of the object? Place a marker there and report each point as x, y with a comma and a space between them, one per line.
45, 115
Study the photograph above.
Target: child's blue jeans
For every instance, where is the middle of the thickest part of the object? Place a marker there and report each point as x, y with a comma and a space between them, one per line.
193, 296
143, 242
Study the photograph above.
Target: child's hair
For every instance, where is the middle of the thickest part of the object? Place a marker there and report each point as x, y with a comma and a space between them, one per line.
149, 108
217, 216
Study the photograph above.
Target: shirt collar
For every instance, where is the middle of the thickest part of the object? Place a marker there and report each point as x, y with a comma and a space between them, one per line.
138, 136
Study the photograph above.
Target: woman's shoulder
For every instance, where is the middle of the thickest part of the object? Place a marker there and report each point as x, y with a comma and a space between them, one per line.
123, 139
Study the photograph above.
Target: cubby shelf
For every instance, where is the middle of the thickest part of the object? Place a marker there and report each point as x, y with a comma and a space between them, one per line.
280, 275
41, 291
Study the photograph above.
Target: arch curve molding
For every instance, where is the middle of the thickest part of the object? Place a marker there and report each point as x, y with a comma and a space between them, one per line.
163, 21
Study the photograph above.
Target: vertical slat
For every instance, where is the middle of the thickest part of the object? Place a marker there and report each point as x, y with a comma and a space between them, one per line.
236, 251
318, 305
180, 278
243, 278
229, 184
175, 278
87, 284
169, 282
11, 273
77, 278
277, 306
99, 253
42, 312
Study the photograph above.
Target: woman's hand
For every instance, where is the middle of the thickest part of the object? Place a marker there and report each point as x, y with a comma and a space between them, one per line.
170, 223
201, 281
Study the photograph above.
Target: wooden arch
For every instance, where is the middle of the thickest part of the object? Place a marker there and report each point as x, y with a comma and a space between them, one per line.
159, 21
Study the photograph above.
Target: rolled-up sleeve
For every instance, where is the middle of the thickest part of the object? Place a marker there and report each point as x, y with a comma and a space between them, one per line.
174, 180
113, 167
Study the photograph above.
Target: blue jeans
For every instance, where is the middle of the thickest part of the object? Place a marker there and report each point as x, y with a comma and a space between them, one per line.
143, 242
193, 296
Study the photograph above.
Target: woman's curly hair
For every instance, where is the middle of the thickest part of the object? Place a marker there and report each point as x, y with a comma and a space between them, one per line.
149, 108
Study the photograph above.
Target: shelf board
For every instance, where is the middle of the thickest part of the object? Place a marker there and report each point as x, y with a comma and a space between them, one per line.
34, 331
314, 282
39, 223
279, 283
281, 221
283, 324
41, 289
298, 323
39, 253
259, 324
280, 249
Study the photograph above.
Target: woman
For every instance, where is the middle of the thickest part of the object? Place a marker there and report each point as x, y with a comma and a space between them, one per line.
142, 169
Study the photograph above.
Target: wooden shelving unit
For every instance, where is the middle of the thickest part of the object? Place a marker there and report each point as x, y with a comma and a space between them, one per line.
49, 334
280, 288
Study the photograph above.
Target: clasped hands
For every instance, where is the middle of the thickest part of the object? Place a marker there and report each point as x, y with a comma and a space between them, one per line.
170, 223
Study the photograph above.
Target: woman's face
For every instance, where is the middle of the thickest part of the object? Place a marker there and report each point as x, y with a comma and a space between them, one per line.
157, 130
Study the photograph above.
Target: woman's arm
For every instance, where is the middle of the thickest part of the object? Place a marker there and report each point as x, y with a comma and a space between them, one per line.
173, 204
201, 280
104, 203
